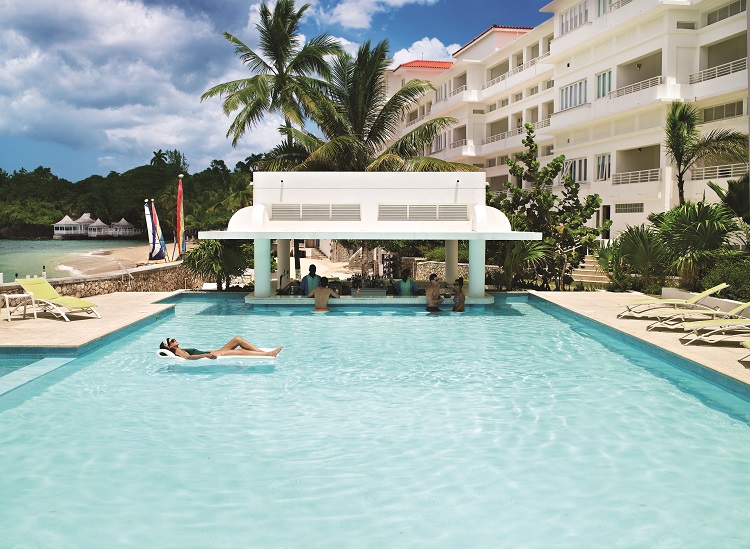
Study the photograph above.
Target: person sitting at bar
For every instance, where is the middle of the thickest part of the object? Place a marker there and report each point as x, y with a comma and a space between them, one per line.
406, 287
309, 282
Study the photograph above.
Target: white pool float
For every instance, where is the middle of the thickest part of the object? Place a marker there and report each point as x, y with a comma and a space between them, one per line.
164, 353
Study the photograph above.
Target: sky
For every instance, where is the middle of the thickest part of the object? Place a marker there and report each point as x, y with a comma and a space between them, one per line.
88, 87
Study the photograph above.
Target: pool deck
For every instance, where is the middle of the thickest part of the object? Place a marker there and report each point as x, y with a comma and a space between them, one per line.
603, 307
122, 310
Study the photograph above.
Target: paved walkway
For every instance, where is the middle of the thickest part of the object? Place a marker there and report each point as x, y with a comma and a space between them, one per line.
120, 310
603, 307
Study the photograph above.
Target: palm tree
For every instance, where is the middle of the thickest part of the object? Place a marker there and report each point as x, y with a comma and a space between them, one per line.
687, 147
642, 249
696, 234
159, 159
281, 70
736, 197
358, 121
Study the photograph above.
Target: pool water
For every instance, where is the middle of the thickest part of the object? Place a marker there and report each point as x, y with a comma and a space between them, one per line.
500, 427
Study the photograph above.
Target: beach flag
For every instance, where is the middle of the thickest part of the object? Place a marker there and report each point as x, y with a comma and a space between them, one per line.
155, 238
180, 222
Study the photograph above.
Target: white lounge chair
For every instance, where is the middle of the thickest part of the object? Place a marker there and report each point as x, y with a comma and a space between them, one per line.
47, 298
746, 345
641, 307
712, 331
673, 320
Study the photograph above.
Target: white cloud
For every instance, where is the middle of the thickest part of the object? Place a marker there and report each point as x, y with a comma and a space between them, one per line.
358, 14
429, 49
120, 79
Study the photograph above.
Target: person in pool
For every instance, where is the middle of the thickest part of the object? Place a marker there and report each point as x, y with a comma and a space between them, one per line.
321, 295
459, 298
236, 346
434, 299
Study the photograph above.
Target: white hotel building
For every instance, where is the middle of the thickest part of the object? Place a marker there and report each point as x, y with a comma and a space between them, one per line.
596, 81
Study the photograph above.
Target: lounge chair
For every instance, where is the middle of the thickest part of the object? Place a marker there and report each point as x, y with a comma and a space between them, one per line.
640, 308
746, 345
706, 331
673, 320
50, 301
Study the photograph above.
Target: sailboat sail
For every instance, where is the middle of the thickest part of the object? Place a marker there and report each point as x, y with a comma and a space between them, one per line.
180, 222
159, 235
155, 239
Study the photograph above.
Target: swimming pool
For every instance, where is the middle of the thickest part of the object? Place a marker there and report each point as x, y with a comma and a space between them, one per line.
504, 426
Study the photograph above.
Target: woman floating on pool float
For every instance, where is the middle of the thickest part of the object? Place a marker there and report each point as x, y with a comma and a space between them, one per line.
235, 347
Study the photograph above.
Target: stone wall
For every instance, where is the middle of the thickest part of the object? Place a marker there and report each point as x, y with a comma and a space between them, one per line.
424, 269
153, 278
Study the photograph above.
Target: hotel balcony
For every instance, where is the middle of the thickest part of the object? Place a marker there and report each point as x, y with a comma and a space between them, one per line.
491, 87
727, 171
641, 184
502, 141
721, 79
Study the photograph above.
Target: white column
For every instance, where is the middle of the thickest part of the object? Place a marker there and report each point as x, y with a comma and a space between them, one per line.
282, 258
476, 268
451, 260
262, 269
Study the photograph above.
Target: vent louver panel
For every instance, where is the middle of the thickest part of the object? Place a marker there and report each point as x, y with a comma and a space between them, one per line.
315, 212
423, 212
285, 212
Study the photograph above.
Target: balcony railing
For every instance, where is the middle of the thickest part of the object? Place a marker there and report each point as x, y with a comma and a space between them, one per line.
638, 86
459, 143
541, 124
501, 136
718, 172
516, 70
642, 176
720, 70
412, 122
458, 90
617, 5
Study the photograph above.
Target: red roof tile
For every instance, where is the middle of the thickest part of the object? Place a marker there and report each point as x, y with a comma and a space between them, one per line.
421, 64
470, 42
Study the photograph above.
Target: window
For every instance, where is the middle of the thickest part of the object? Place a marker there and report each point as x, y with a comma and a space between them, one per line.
504, 102
576, 169
603, 6
491, 107
503, 159
603, 167
533, 91
574, 17
634, 207
603, 84
686, 25
549, 150
440, 142
730, 110
726, 11
491, 162
573, 95
518, 97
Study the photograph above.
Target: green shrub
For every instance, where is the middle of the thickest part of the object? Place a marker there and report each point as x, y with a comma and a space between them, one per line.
736, 273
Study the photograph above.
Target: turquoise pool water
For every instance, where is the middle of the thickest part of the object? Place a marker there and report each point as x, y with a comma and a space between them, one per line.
505, 427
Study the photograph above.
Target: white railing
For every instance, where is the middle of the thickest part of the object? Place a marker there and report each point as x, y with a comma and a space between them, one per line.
720, 70
458, 90
500, 136
641, 176
412, 122
617, 5
459, 143
518, 69
718, 172
638, 86
541, 124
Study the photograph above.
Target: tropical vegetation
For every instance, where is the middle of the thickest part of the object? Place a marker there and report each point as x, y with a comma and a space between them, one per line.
686, 146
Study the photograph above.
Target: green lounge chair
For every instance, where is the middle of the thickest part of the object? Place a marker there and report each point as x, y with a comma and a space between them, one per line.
706, 331
640, 308
49, 300
673, 320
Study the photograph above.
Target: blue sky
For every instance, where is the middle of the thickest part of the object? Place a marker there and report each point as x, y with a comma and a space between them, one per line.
92, 86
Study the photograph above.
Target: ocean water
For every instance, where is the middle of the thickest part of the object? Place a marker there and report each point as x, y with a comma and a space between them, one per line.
29, 257
378, 427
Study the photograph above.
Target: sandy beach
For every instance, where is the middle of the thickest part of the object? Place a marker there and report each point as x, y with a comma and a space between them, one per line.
108, 260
